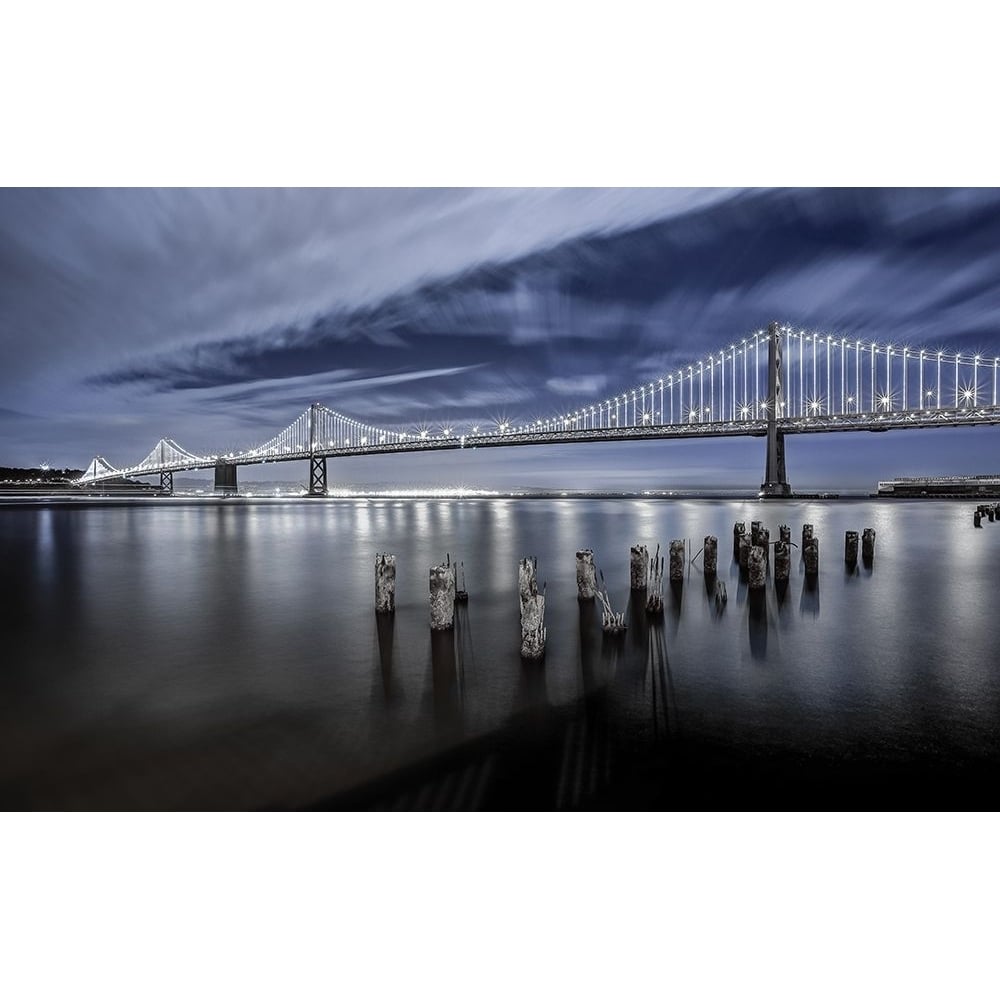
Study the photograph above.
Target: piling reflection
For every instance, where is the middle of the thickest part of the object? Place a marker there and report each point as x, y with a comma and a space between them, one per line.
661, 683
589, 626
809, 601
757, 624
445, 684
385, 628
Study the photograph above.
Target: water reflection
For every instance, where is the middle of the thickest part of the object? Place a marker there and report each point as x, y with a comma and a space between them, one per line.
227, 633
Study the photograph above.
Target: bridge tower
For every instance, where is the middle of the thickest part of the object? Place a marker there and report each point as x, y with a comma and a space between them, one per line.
166, 482
225, 477
317, 463
775, 479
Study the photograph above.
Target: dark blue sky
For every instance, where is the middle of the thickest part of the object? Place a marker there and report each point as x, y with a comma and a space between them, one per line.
215, 317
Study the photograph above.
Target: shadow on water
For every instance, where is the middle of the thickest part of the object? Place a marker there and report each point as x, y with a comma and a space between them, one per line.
780, 591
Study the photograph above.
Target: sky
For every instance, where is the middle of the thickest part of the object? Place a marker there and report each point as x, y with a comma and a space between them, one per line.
214, 317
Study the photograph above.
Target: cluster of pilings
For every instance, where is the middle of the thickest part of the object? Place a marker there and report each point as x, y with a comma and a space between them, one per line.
752, 551
990, 511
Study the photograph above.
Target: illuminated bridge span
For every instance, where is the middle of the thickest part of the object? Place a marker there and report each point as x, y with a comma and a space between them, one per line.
772, 383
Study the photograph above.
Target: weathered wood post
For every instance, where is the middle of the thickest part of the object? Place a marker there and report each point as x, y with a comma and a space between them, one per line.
757, 568
765, 543
977, 519
533, 631
442, 597
744, 552
638, 567
782, 561
755, 527
710, 555
586, 575
868, 545
990, 514
784, 533
677, 560
851, 548
811, 557
654, 595
739, 528
807, 533
385, 583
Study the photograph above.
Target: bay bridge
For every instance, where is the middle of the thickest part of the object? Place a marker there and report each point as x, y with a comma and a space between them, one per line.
770, 384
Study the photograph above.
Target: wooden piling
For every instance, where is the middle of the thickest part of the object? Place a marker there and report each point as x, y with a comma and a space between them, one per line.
385, 583
764, 536
739, 529
868, 545
710, 557
677, 560
638, 567
755, 527
784, 533
851, 548
811, 556
807, 533
977, 519
533, 631
442, 587
654, 594
782, 560
586, 575
757, 568
744, 552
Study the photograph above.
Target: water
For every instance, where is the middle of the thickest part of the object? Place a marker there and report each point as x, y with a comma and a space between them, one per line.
227, 655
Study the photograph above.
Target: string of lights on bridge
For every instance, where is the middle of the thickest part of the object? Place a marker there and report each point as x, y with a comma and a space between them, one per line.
822, 376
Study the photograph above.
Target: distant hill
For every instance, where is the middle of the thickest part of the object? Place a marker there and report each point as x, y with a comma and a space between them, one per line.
12, 475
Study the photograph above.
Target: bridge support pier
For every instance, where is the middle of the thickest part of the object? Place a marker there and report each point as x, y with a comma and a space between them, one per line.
225, 478
317, 475
775, 479
166, 482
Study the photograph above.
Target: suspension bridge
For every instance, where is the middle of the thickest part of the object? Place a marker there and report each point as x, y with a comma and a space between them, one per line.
772, 383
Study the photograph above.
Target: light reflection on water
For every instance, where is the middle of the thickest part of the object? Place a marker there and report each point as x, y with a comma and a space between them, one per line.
229, 655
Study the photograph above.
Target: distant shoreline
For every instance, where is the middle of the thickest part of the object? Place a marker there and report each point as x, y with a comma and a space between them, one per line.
12, 500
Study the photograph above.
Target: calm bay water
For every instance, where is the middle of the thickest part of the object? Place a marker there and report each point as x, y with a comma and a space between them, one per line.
227, 654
